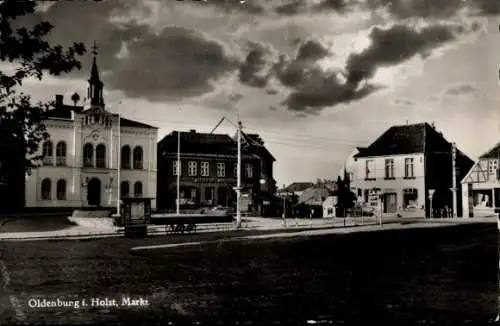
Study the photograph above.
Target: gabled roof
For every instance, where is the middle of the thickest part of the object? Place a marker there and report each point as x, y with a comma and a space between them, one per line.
299, 186
314, 194
492, 153
406, 139
205, 143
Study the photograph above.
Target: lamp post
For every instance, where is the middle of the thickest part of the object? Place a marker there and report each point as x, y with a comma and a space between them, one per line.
285, 195
178, 201
431, 194
262, 183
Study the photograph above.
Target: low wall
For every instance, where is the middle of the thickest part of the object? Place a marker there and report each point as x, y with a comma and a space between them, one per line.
93, 222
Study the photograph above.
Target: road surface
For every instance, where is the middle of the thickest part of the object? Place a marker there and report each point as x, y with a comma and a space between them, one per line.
440, 274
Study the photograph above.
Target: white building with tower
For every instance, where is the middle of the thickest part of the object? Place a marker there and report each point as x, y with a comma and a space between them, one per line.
93, 157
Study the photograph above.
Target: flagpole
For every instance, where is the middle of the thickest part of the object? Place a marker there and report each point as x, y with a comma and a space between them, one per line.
119, 159
178, 209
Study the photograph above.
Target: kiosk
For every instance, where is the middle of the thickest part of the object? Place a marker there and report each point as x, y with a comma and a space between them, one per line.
136, 216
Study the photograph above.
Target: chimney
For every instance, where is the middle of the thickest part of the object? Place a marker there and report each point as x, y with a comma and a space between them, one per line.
59, 100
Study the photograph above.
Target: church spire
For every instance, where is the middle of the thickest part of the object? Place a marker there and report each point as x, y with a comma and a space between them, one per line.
95, 83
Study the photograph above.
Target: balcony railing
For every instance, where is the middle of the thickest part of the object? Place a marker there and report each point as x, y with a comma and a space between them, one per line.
48, 160
100, 163
61, 161
88, 162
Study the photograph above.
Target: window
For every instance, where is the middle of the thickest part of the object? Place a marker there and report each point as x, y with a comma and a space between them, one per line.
124, 189
370, 169
235, 168
138, 189
46, 189
61, 154
88, 155
248, 170
192, 168
100, 154
410, 196
366, 196
205, 169
175, 169
61, 189
138, 158
125, 157
492, 167
389, 168
409, 170
221, 170
47, 153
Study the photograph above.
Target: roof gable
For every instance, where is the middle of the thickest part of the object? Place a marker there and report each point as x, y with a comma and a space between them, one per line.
406, 139
492, 153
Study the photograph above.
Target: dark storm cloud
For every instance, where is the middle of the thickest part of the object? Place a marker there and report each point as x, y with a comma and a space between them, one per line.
311, 50
254, 71
314, 89
463, 89
395, 45
174, 64
434, 8
251, 7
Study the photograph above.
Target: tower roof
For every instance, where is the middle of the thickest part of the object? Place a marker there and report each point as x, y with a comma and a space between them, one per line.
94, 73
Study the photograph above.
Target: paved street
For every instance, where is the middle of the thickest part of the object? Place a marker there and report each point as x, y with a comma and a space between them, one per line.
442, 273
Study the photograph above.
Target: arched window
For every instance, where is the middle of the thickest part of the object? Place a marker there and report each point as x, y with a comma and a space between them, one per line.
124, 189
138, 157
138, 189
88, 155
100, 156
61, 189
47, 153
61, 153
125, 158
46, 189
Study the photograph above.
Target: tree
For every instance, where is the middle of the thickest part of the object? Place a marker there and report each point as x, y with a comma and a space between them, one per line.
345, 197
21, 128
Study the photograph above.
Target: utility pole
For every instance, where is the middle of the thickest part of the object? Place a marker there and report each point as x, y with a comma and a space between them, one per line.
454, 176
285, 196
178, 204
119, 162
238, 180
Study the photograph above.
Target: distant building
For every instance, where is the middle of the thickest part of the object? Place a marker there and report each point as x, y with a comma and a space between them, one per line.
481, 185
403, 164
209, 171
297, 188
329, 205
82, 156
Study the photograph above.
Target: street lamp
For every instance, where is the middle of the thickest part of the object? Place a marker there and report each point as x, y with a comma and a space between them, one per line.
285, 195
262, 183
431, 195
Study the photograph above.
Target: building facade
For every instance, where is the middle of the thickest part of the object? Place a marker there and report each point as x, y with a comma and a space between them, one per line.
403, 164
208, 171
93, 157
481, 185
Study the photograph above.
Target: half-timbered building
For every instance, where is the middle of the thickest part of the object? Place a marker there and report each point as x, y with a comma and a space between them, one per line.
481, 186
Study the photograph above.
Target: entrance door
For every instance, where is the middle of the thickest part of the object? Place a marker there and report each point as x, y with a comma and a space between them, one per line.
222, 196
390, 203
94, 192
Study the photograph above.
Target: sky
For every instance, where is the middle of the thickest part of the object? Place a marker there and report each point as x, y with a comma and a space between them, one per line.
315, 78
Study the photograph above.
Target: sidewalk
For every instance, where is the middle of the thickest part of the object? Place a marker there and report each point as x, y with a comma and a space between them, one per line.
336, 225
